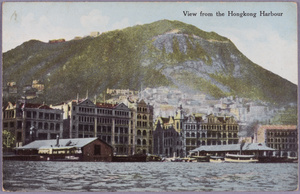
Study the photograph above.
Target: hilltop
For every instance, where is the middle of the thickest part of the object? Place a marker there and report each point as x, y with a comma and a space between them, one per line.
162, 53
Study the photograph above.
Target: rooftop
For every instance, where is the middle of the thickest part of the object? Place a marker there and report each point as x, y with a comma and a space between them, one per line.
233, 147
278, 127
67, 143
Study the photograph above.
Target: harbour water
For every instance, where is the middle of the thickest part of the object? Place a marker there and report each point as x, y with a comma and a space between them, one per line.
149, 176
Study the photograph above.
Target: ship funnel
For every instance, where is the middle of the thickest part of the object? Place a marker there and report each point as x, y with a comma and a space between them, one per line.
57, 140
241, 147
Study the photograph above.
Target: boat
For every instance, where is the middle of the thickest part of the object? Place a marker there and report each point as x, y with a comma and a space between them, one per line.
201, 158
154, 158
238, 158
176, 160
189, 160
132, 158
273, 159
216, 159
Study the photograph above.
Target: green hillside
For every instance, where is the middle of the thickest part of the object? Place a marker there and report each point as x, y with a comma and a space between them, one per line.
163, 53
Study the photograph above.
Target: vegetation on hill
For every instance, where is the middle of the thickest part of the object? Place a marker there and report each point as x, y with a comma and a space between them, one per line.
163, 53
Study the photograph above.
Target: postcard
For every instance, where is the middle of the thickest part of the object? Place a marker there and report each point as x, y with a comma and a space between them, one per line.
150, 96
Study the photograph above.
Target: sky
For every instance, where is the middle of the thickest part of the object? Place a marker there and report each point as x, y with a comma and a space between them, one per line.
269, 41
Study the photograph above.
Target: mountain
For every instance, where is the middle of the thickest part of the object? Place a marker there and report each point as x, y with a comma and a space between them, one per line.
162, 53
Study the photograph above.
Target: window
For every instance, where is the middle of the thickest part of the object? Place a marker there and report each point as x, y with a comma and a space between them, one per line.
45, 125
139, 142
5, 125
97, 150
28, 114
20, 125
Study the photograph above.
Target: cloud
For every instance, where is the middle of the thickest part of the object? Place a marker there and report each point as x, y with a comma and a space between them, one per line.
33, 27
95, 20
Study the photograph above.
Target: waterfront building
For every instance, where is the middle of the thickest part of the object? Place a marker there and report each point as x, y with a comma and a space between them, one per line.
168, 137
109, 122
180, 134
28, 122
141, 125
144, 128
192, 133
256, 149
81, 149
283, 138
167, 141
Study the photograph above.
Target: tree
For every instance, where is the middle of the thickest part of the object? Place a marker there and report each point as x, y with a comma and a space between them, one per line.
8, 139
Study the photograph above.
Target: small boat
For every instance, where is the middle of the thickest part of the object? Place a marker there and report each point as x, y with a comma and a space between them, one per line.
132, 158
189, 160
216, 159
176, 160
238, 158
201, 158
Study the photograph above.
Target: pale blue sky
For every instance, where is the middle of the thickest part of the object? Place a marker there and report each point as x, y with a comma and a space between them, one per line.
268, 41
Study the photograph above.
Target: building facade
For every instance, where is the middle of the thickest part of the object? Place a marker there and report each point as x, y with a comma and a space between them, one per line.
109, 122
29, 122
144, 128
81, 149
282, 138
179, 134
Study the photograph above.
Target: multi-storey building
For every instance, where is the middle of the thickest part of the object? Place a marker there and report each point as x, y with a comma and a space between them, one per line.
181, 134
167, 141
193, 133
110, 122
30, 122
168, 137
144, 128
283, 138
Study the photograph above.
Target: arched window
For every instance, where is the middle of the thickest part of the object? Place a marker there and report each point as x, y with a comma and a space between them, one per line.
145, 117
139, 142
193, 134
188, 134
139, 132
139, 116
224, 135
234, 135
229, 135
45, 125
144, 142
144, 133
203, 135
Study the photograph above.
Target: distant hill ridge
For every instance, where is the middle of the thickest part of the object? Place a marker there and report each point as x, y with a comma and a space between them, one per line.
162, 53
